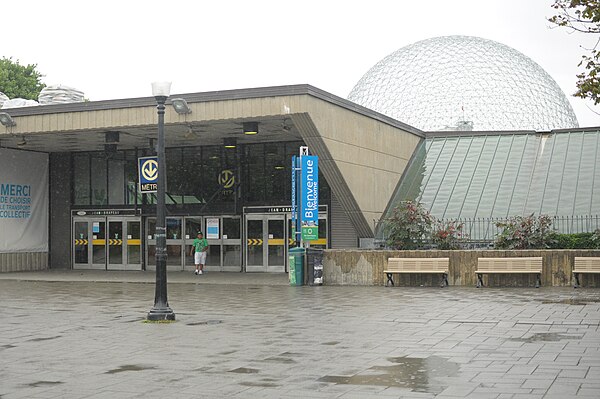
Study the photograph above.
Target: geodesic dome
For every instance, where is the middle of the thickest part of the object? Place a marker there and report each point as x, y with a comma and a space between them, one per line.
464, 83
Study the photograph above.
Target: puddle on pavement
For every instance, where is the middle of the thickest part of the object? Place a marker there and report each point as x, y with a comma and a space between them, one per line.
258, 384
413, 373
38, 384
280, 359
291, 354
44, 339
545, 337
204, 323
573, 301
9, 346
331, 343
244, 370
129, 367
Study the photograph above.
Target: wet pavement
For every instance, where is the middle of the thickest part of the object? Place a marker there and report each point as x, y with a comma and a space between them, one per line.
84, 335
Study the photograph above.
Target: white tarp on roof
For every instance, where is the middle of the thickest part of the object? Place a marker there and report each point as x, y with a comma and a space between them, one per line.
18, 102
3, 98
59, 94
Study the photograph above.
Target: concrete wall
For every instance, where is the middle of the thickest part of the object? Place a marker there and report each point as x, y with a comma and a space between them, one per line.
60, 206
365, 267
23, 261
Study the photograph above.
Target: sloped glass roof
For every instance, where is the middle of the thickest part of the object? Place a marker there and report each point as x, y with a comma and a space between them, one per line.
504, 175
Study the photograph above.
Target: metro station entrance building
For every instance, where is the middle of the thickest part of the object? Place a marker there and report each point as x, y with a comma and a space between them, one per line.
231, 183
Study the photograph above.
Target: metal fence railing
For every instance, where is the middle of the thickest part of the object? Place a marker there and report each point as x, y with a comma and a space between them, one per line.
482, 232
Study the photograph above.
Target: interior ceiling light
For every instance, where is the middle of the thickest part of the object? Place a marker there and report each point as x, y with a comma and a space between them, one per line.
229, 142
250, 128
6, 119
22, 142
111, 137
181, 106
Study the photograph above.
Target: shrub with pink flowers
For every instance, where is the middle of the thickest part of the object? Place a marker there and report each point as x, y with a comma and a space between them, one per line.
447, 235
408, 227
525, 232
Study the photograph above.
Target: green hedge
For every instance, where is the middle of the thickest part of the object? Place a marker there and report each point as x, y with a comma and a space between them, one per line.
575, 241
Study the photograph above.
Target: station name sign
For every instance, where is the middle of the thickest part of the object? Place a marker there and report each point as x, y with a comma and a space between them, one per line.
106, 212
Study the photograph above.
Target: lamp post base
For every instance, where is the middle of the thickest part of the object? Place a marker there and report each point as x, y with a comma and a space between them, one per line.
158, 314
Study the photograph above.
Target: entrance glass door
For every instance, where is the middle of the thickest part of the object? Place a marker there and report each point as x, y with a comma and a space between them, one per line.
266, 243
175, 244
82, 245
107, 243
276, 243
124, 244
232, 244
255, 257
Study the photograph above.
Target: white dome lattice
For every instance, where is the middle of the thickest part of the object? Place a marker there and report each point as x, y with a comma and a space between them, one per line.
464, 83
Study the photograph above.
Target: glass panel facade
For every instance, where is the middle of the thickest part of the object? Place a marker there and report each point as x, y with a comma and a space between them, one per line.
503, 175
116, 182
99, 179
81, 177
205, 180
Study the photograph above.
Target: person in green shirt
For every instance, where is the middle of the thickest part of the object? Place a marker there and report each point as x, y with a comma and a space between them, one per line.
199, 248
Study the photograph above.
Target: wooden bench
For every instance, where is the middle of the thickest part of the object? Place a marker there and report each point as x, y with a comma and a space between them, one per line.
417, 265
509, 266
585, 264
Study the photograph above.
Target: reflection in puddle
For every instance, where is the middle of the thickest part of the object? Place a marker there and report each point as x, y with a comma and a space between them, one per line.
280, 359
129, 367
413, 373
573, 301
545, 337
44, 339
202, 323
44, 383
258, 384
244, 370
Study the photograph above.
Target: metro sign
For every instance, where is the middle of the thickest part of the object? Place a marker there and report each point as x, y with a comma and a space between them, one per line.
148, 174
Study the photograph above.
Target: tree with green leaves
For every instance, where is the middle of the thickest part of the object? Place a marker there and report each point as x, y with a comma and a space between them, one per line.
19, 81
583, 16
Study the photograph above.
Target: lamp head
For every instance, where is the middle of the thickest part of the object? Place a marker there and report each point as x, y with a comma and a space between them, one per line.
6, 119
161, 89
181, 106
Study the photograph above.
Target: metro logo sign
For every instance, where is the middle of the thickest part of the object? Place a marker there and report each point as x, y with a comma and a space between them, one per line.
148, 174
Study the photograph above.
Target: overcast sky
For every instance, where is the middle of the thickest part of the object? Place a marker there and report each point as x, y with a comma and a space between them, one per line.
114, 49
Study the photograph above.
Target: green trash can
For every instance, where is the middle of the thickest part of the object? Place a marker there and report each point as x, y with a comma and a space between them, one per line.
296, 263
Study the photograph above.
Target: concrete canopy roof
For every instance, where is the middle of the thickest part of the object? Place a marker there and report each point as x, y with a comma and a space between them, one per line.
362, 153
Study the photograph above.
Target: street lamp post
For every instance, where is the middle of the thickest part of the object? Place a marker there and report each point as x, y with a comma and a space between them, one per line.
161, 309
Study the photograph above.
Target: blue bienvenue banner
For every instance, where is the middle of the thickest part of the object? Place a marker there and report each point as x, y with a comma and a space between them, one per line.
309, 197
293, 190
148, 174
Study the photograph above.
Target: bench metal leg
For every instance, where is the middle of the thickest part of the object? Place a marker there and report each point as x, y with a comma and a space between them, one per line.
390, 280
576, 285
444, 282
538, 281
479, 280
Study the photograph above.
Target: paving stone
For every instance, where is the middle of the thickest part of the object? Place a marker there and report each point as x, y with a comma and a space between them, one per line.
83, 335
